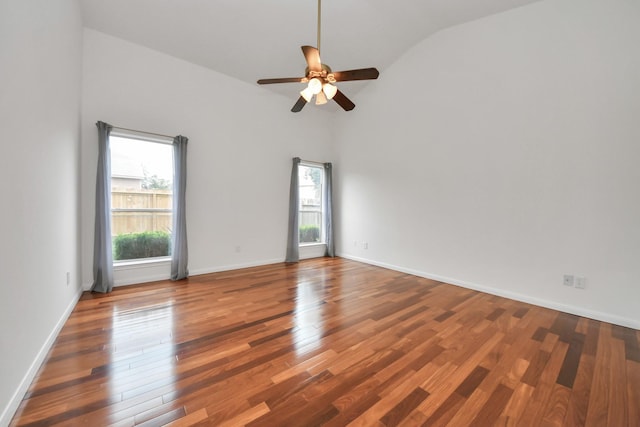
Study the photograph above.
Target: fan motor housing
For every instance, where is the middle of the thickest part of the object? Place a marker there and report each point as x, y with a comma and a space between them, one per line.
325, 74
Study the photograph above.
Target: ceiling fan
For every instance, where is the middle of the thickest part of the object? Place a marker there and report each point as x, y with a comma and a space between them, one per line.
321, 80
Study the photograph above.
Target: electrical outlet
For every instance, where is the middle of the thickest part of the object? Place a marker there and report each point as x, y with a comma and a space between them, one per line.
365, 245
238, 248
568, 280
68, 278
581, 282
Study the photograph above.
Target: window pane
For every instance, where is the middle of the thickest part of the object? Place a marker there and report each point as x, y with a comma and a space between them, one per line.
141, 198
310, 221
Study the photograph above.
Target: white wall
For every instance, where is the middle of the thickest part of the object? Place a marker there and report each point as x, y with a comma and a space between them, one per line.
40, 65
241, 142
502, 154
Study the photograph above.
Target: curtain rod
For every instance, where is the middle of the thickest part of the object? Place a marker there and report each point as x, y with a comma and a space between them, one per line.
142, 131
311, 162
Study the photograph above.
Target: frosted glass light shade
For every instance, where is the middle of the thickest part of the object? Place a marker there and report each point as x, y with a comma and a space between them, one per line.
321, 98
329, 90
307, 94
315, 85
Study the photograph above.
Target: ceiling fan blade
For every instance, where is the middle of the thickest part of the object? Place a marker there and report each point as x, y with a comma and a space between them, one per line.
343, 101
282, 80
360, 74
300, 103
312, 55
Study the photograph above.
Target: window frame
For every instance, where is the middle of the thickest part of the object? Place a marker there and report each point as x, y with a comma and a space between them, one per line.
126, 264
323, 240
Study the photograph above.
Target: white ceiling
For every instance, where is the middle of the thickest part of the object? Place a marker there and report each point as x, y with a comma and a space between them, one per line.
254, 39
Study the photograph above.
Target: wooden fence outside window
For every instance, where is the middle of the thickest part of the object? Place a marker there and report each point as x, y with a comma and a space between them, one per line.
136, 211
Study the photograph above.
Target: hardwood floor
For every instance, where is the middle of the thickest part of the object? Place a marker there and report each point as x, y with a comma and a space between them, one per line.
330, 342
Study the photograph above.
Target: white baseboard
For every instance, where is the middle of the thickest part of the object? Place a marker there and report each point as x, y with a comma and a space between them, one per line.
142, 279
218, 269
305, 254
12, 406
578, 311
136, 281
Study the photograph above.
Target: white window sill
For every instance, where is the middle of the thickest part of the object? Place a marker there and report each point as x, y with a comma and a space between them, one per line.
311, 244
142, 262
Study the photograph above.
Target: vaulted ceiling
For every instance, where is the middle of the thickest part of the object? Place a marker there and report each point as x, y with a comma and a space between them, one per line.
252, 39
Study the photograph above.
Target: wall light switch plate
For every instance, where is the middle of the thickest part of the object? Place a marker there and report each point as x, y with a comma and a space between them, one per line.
581, 282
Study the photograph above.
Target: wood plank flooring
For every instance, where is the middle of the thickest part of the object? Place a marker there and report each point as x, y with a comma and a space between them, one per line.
330, 342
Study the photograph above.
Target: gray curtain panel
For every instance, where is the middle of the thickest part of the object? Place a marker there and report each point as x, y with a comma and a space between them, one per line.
328, 216
102, 255
179, 251
293, 237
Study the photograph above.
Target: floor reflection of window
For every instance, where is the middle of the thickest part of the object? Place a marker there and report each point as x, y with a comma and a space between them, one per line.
308, 326
142, 350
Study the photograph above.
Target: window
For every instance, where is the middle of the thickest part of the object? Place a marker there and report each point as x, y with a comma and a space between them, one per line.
141, 196
311, 209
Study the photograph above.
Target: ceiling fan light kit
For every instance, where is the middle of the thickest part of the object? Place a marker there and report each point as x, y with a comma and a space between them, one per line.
320, 79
